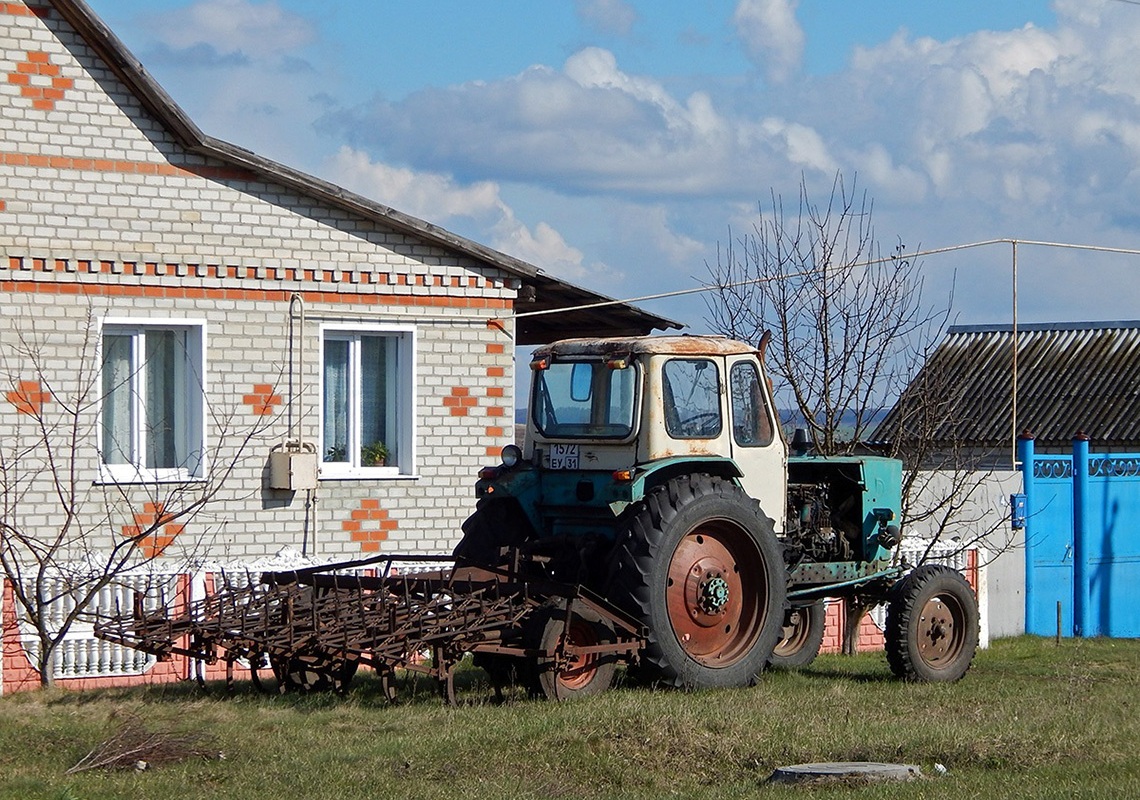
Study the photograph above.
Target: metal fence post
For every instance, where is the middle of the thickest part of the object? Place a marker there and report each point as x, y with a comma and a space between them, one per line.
1025, 457
1081, 621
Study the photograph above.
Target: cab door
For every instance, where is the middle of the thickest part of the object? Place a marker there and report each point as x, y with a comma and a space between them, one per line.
757, 443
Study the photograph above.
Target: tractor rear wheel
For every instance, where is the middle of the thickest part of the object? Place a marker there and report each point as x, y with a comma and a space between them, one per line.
700, 566
801, 637
494, 525
932, 625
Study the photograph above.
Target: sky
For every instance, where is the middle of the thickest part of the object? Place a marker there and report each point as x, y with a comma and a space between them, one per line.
622, 144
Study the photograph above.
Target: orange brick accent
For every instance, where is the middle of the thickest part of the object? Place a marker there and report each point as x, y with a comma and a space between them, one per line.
369, 525
39, 80
115, 165
460, 402
262, 400
162, 531
28, 397
496, 372
496, 349
26, 10
181, 291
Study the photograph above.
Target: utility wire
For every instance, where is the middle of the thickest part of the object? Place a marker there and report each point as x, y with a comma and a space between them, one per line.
903, 257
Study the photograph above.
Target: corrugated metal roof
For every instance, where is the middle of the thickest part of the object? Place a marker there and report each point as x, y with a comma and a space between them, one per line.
1072, 378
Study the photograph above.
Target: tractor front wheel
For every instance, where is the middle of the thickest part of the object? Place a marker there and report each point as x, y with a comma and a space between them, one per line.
801, 637
700, 566
932, 625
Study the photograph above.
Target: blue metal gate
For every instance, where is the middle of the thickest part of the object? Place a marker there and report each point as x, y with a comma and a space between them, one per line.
1082, 538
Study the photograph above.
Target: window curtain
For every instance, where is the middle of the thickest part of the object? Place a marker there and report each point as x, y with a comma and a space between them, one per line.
164, 372
375, 380
118, 403
335, 421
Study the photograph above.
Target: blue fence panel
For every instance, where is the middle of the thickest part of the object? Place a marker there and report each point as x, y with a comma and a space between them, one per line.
1082, 542
1113, 545
1049, 546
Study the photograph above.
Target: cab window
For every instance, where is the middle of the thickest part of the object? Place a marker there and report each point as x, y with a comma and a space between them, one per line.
751, 421
691, 397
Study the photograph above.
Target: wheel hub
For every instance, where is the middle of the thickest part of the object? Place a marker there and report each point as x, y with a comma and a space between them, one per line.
713, 594
937, 633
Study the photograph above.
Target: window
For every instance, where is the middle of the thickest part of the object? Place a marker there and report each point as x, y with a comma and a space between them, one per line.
590, 399
153, 396
751, 424
692, 398
366, 402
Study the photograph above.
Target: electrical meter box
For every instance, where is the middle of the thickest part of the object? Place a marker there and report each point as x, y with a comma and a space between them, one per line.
294, 470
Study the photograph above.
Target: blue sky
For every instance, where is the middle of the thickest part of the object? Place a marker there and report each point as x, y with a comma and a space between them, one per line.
617, 143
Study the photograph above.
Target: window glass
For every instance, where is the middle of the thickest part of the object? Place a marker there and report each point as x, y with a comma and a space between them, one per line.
751, 422
151, 416
336, 401
585, 399
118, 410
691, 397
366, 401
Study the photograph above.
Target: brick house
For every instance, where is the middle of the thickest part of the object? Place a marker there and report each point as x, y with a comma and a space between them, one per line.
189, 308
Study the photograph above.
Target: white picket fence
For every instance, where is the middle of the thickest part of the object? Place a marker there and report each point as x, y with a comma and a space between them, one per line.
80, 654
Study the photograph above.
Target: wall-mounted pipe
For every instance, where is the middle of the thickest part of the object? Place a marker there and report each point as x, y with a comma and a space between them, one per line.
296, 391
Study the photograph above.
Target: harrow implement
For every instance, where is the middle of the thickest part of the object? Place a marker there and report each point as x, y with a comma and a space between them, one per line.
315, 626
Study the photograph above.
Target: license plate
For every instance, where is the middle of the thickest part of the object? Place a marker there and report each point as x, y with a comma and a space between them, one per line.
564, 456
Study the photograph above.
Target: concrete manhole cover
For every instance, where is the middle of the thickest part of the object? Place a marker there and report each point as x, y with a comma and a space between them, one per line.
858, 771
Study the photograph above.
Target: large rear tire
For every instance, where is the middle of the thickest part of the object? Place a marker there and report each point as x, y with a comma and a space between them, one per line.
801, 637
700, 566
932, 625
496, 524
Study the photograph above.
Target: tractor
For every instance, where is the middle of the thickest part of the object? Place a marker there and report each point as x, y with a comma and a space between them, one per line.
655, 473
654, 516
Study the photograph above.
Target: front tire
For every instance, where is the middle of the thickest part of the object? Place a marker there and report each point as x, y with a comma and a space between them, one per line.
801, 637
700, 566
932, 625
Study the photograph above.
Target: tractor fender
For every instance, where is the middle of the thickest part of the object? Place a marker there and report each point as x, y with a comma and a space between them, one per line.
649, 476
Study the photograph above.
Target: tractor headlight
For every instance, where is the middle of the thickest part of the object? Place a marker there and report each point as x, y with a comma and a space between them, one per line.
511, 455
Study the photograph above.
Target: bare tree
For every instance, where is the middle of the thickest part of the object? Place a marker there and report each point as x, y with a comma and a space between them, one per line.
850, 332
849, 326
65, 536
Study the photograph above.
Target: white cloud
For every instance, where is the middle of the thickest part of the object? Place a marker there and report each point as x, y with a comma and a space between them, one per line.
607, 16
771, 35
443, 201
229, 27
589, 127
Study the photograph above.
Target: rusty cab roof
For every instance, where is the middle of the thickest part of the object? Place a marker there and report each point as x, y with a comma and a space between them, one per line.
646, 345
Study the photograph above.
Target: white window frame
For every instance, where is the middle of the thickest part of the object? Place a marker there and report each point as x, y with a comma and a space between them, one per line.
195, 408
407, 387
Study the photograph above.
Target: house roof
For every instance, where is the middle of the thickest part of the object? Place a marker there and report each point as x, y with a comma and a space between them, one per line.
548, 292
1072, 378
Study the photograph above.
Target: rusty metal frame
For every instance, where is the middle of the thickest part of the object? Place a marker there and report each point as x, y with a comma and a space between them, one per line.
340, 613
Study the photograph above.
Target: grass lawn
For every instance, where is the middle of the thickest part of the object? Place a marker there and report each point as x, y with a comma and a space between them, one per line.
1029, 720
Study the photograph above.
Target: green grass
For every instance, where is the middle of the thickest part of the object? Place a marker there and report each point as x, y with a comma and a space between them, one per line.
1029, 720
